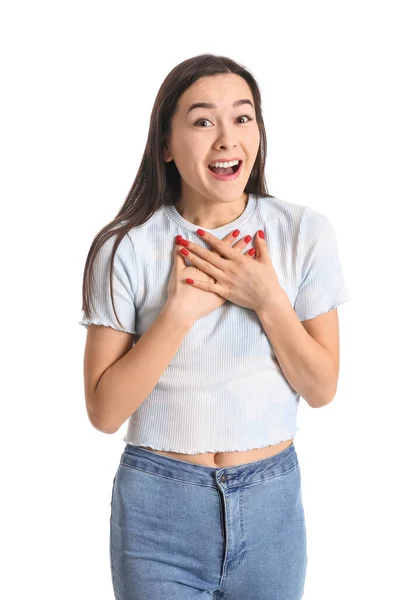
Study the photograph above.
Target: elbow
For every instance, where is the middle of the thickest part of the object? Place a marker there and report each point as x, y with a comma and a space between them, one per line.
96, 416
102, 427
321, 399
99, 424
326, 400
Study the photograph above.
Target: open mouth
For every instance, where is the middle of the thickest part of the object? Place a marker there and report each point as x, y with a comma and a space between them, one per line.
226, 171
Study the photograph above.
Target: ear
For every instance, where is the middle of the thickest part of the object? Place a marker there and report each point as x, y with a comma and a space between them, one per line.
166, 152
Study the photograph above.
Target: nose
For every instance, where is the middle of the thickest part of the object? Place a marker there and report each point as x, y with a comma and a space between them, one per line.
225, 145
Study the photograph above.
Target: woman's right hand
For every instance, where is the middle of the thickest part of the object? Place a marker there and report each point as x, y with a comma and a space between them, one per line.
191, 302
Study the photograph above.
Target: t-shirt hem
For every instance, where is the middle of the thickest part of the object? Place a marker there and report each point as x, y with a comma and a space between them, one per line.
188, 450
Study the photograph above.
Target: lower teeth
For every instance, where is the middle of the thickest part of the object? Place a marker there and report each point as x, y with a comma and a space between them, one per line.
222, 171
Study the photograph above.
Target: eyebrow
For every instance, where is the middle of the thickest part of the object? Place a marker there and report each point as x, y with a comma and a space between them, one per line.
211, 105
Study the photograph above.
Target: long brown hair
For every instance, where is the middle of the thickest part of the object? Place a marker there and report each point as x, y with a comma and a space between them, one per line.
157, 183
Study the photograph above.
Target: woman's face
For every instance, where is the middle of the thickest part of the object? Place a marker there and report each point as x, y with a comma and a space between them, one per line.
203, 135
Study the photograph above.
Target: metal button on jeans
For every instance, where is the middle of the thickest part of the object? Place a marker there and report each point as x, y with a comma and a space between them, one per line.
223, 478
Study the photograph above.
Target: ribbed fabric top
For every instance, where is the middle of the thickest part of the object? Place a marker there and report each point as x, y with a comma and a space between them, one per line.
224, 389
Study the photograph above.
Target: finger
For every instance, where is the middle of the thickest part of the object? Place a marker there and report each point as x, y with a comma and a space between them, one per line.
228, 239
219, 245
179, 261
241, 244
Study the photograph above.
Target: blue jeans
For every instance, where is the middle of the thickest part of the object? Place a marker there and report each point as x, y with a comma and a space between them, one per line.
181, 531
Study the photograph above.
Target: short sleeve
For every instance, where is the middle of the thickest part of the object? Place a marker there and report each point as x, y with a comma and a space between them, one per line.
123, 277
321, 282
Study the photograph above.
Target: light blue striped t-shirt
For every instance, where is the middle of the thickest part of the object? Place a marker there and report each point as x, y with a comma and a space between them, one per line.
224, 389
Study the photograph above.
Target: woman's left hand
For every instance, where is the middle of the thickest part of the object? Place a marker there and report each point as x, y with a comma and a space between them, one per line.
251, 283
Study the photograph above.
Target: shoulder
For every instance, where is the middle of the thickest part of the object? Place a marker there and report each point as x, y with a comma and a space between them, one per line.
151, 230
314, 227
276, 210
124, 252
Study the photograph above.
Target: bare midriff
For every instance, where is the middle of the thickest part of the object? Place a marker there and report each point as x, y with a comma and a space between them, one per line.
227, 459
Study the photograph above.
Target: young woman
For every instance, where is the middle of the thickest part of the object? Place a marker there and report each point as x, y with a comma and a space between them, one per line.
206, 346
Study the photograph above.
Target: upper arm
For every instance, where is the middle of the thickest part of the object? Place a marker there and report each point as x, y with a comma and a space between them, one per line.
325, 330
321, 283
124, 287
104, 346
108, 339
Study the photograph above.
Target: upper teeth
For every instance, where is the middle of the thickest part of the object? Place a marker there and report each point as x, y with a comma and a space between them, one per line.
224, 164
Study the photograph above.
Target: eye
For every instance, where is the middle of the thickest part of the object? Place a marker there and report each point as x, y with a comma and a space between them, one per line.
247, 116
240, 117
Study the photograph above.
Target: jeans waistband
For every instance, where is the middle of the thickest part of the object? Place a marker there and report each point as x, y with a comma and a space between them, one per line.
140, 458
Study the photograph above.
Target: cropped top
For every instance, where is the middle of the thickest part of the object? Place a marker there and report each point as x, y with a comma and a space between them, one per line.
224, 389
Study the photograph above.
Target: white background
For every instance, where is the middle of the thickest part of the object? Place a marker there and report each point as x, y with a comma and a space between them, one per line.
79, 81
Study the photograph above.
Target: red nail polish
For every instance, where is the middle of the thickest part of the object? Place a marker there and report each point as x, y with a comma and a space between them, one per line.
261, 234
235, 233
200, 232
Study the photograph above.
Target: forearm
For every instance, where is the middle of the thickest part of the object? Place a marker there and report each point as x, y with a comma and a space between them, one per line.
307, 366
128, 382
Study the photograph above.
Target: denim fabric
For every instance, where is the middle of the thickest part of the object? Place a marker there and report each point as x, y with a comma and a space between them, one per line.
184, 531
